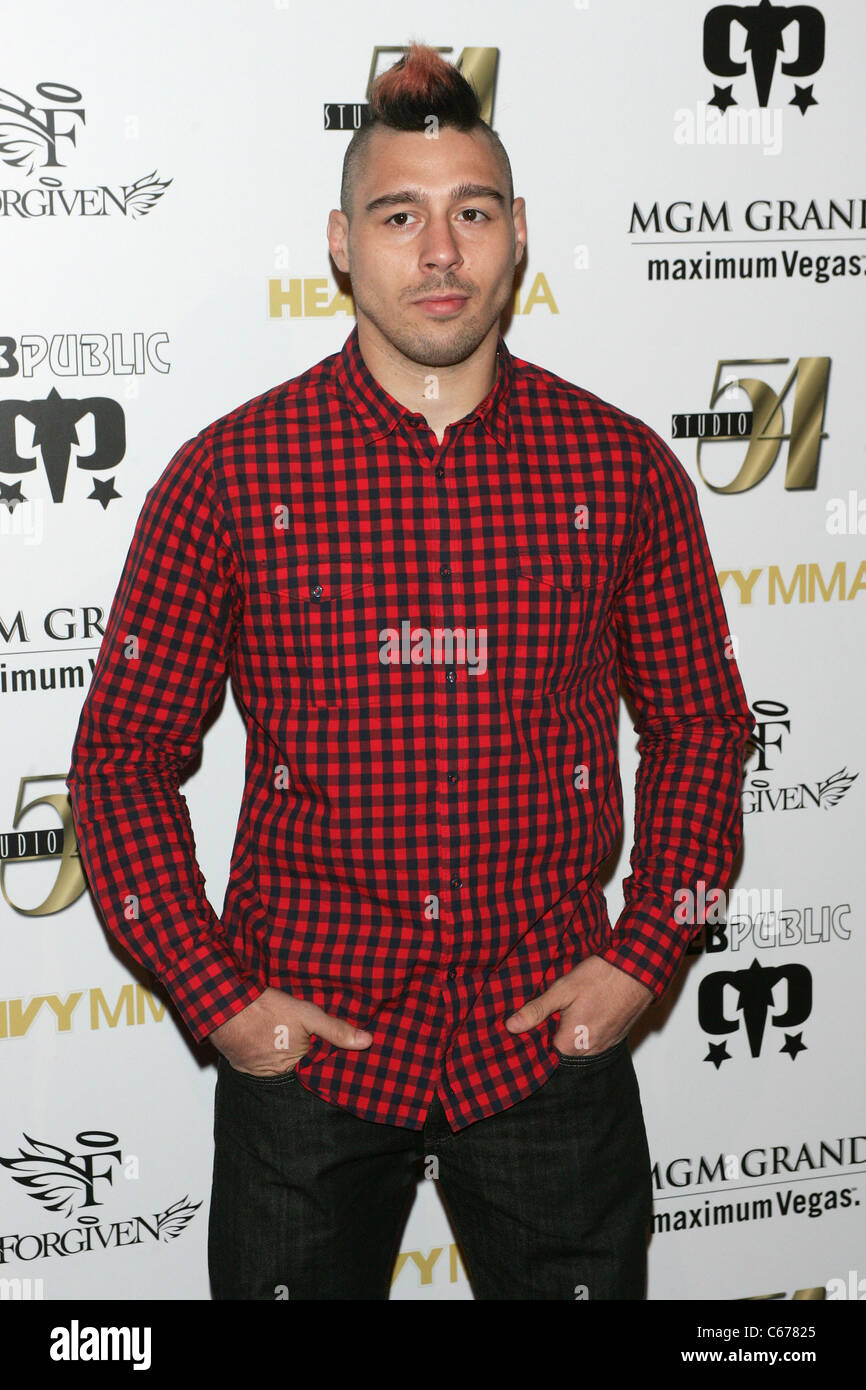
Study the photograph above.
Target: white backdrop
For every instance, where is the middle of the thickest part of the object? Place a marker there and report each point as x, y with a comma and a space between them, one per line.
187, 215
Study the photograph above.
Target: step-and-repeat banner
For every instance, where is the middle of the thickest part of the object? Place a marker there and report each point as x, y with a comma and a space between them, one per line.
697, 255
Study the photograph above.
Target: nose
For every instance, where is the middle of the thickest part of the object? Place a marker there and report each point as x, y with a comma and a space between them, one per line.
439, 249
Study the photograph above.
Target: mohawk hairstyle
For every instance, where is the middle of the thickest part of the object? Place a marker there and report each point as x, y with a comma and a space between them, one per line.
420, 85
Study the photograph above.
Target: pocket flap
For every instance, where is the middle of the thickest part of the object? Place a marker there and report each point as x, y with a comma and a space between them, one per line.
321, 581
579, 569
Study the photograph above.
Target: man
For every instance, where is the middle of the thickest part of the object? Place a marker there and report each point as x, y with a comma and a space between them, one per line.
424, 564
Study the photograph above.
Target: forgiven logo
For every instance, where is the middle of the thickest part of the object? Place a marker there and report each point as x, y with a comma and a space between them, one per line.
37, 137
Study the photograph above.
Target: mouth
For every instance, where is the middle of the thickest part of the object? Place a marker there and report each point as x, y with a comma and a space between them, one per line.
441, 305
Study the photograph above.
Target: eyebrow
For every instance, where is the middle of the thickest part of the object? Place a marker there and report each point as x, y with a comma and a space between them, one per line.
415, 195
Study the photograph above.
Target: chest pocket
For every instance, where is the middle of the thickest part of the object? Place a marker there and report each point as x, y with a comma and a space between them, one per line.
558, 605
320, 622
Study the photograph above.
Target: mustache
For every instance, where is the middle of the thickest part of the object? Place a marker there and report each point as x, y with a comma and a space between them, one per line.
449, 286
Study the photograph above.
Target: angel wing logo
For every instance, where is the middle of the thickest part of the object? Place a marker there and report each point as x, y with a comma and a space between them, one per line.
32, 138
28, 133
144, 194
830, 793
23, 142
64, 1181
61, 1179
176, 1218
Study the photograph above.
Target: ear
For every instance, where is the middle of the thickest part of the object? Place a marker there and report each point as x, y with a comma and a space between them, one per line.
338, 238
518, 213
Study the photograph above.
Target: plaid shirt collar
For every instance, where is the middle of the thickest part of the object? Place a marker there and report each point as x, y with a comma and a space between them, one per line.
381, 413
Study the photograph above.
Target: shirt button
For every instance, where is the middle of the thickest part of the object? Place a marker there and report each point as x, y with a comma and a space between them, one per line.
440, 471
451, 677
317, 591
445, 570
456, 882
452, 776
452, 974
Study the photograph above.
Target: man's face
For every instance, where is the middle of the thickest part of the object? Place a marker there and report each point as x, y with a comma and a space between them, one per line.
430, 218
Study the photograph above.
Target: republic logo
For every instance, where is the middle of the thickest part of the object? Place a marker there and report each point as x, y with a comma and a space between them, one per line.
55, 424
755, 992
764, 28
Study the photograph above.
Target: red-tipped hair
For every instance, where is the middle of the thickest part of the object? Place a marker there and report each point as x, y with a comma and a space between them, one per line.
420, 85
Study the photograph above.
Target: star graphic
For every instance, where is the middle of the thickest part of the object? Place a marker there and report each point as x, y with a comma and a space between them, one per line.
722, 97
717, 1054
103, 492
10, 493
803, 99
793, 1044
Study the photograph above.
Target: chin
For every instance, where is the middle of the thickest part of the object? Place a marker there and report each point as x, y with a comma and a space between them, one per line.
443, 349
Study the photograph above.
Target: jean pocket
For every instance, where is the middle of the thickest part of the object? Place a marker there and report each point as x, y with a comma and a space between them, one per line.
595, 1060
279, 1080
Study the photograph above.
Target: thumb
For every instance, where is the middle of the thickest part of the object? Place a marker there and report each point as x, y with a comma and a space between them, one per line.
334, 1030
535, 1012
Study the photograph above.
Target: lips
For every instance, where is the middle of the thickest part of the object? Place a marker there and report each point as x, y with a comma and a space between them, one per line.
442, 304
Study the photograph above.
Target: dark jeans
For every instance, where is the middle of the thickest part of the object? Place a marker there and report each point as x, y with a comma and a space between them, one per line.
549, 1199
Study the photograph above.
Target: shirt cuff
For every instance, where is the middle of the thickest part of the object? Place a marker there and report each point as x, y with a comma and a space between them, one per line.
209, 987
648, 945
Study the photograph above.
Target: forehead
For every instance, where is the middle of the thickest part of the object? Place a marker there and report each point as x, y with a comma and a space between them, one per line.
400, 158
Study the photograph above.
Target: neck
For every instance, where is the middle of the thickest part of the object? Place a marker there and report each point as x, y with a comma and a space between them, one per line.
441, 394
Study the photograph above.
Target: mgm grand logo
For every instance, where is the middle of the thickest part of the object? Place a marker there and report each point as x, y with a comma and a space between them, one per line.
759, 422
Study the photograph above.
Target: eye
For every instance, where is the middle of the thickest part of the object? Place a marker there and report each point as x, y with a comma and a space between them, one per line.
476, 213
395, 215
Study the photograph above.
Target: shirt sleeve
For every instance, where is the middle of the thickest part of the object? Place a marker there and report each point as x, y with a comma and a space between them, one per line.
692, 719
162, 667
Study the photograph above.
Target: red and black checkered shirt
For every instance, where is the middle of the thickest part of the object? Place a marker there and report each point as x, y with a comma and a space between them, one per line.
425, 641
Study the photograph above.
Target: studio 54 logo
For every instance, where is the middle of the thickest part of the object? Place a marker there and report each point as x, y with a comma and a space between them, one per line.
76, 1183
52, 846
747, 409
37, 136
